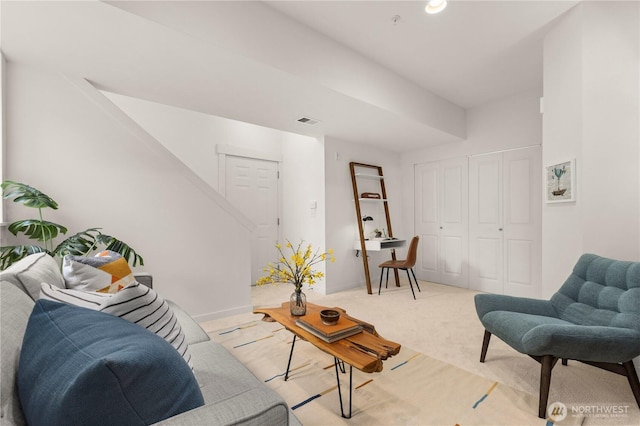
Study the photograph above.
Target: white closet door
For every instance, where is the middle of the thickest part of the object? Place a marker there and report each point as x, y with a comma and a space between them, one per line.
427, 218
454, 222
485, 223
522, 222
442, 221
505, 222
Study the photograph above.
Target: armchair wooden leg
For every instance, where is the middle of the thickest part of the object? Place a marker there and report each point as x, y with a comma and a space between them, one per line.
485, 345
547, 361
632, 377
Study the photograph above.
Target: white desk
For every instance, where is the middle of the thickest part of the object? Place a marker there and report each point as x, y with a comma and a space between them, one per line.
379, 244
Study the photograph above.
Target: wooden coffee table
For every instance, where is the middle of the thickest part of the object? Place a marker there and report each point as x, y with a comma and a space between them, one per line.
364, 351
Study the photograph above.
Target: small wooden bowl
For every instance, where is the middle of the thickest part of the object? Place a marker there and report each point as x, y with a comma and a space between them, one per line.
329, 316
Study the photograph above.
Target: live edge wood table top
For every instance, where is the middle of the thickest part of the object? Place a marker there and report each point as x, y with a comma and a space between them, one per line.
364, 351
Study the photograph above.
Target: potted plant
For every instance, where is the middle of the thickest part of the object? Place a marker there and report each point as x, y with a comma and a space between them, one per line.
44, 232
296, 269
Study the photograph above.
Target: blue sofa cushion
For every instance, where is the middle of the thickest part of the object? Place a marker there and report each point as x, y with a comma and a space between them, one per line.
136, 303
80, 366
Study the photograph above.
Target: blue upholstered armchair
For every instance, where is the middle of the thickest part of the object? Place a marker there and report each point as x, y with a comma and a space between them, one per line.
593, 318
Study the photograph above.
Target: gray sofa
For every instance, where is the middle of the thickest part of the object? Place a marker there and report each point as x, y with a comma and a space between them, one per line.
232, 394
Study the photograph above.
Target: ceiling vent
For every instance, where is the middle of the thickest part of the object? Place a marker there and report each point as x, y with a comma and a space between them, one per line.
308, 121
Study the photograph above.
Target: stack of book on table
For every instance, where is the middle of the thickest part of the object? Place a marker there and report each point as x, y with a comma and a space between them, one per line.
329, 333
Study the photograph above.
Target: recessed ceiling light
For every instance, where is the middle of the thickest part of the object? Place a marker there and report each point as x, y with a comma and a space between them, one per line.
435, 6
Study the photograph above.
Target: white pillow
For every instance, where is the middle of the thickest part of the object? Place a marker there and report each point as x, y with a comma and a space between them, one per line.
136, 303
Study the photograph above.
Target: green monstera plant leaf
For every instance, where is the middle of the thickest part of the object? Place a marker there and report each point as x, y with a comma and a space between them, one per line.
27, 195
42, 231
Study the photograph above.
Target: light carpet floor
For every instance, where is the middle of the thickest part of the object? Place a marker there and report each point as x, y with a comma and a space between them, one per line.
442, 324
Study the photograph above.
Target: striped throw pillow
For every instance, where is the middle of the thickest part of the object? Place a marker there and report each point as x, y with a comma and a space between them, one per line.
136, 303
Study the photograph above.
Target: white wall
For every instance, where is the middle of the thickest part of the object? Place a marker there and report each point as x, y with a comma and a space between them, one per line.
193, 137
611, 136
3, 64
341, 225
103, 173
513, 122
562, 129
303, 177
309, 173
591, 113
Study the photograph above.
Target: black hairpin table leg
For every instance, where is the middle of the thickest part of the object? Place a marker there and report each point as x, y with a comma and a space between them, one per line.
337, 362
286, 374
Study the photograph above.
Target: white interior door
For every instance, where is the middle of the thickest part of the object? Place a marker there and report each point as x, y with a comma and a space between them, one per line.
427, 221
485, 223
522, 170
454, 222
505, 222
442, 221
251, 185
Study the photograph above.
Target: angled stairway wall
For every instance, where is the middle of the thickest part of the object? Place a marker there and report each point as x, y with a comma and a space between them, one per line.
67, 139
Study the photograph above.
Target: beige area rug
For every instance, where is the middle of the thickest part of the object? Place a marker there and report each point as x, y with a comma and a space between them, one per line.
413, 389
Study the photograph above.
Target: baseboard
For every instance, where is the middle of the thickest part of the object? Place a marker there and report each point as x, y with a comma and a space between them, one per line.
344, 287
223, 314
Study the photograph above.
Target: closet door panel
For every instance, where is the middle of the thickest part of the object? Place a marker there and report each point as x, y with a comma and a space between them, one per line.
519, 263
488, 253
452, 256
522, 224
505, 222
488, 196
454, 232
441, 221
427, 219
428, 256
485, 223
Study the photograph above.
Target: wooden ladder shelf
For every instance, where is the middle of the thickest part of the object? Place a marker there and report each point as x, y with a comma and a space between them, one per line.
370, 172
